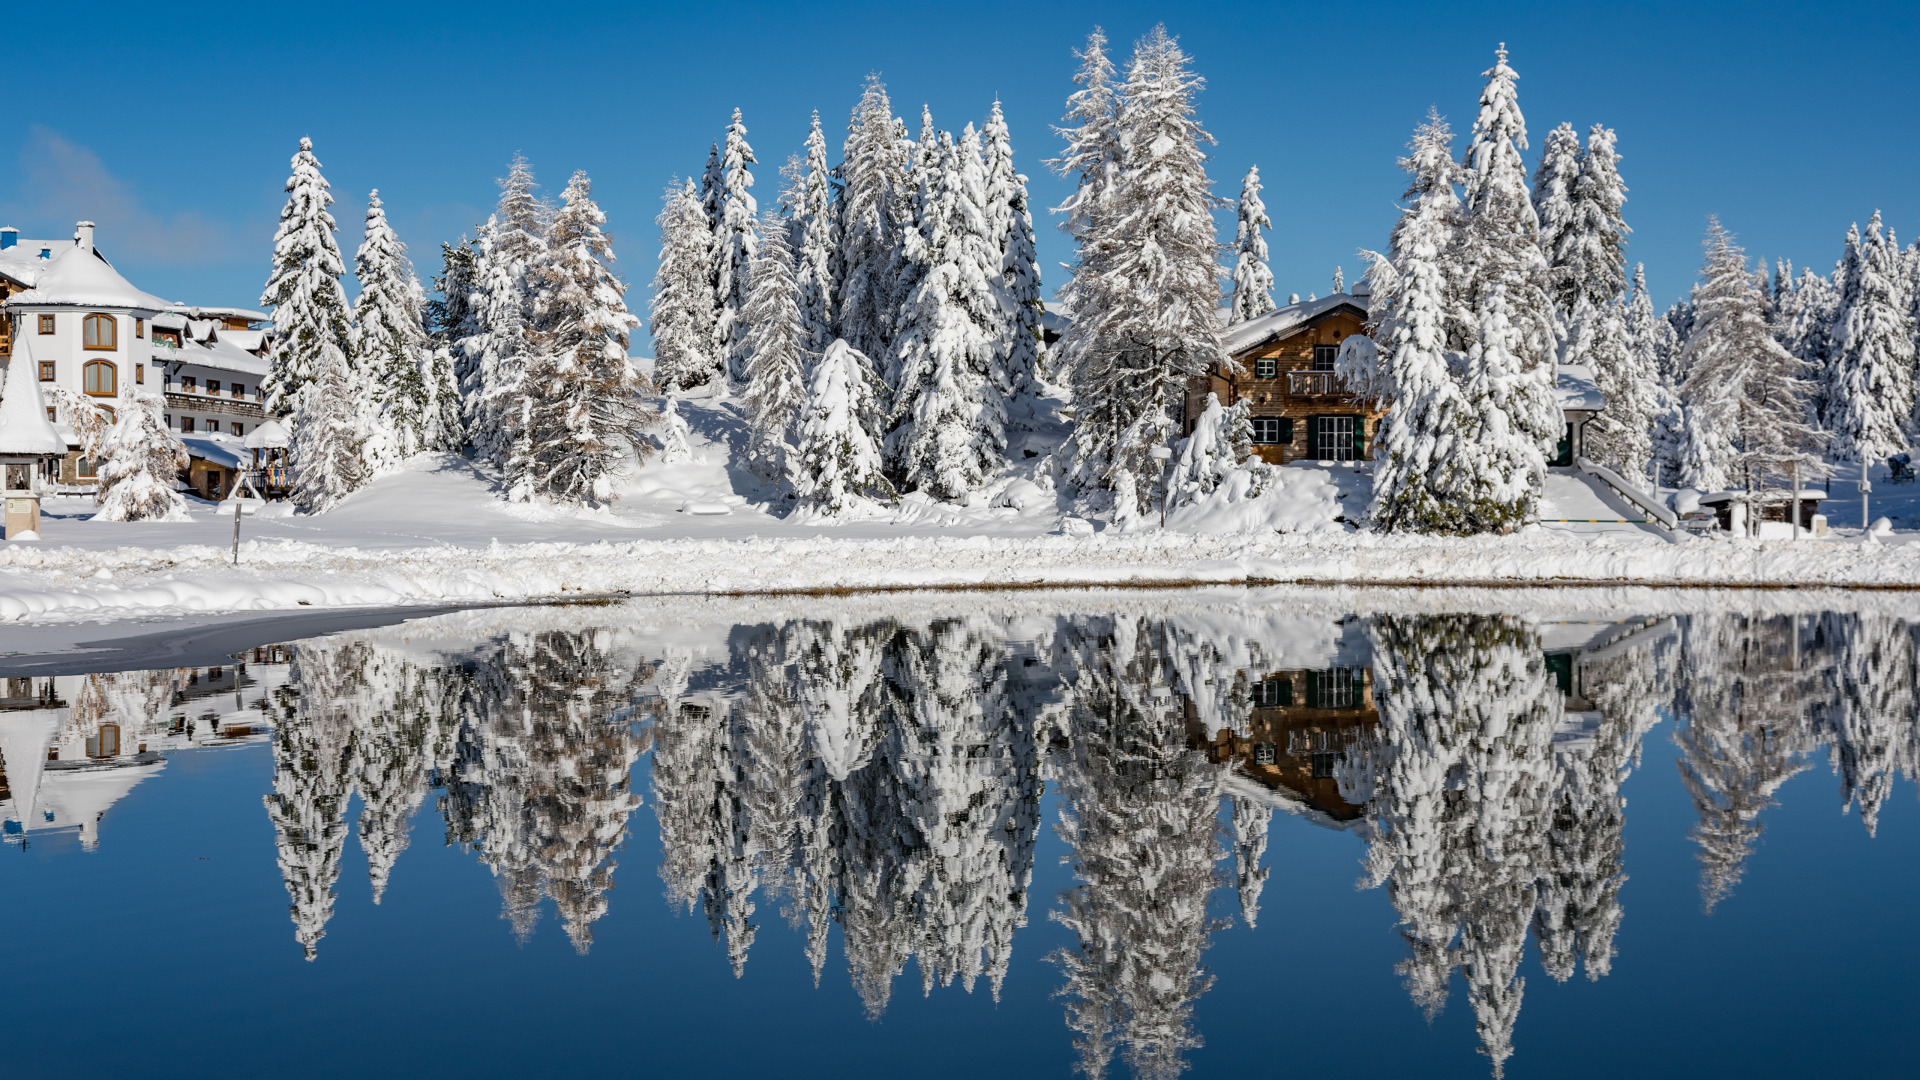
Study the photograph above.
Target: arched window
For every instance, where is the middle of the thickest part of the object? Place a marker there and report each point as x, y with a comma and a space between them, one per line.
100, 379
99, 332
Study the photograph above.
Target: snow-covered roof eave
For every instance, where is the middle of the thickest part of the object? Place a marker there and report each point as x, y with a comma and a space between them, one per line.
204, 312
80, 277
1263, 330
1576, 389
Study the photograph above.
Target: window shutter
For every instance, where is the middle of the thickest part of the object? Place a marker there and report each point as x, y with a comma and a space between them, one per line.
1313, 436
1286, 691
1359, 438
1286, 429
1313, 689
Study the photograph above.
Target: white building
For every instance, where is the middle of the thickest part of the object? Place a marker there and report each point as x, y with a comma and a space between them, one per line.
87, 329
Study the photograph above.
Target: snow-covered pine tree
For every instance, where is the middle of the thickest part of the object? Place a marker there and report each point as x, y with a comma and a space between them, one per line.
681, 310
873, 177
1745, 396
1650, 340
837, 463
448, 317
1010, 228
775, 344
511, 243
1149, 317
1509, 373
584, 398
948, 422
817, 241
675, 445
310, 310
1252, 280
329, 436
1221, 443
140, 463
733, 246
1869, 386
1623, 438
388, 347
1554, 182
1418, 324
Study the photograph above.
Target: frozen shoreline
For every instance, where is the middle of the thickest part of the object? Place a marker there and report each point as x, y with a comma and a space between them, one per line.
41, 585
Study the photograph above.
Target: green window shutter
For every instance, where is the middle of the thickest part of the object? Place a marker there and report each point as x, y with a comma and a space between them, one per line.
1313, 689
1359, 437
1286, 691
1313, 436
1286, 429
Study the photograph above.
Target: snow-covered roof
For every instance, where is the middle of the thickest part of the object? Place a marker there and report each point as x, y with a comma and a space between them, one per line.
79, 277
170, 320
79, 796
247, 340
22, 261
220, 353
24, 427
1278, 323
219, 449
25, 735
1576, 389
271, 435
204, 312
1054, 319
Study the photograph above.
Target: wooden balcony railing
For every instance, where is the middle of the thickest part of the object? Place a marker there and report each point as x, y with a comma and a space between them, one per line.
215, 403
1315, 384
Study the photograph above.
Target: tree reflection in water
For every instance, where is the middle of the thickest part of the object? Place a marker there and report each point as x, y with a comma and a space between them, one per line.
885, 777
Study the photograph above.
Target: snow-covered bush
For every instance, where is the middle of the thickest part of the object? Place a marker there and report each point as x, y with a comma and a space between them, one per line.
674, 443
140, 461
1220, 446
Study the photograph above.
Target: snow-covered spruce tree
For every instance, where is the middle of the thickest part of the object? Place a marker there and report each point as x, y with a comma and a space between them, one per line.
388, 346
1147, 319
733, 247
1554, 182
511, 243
1417, 324
310, 310
1649, 346
1623, 439
1010, 228
1092, 158
775, 343
681, 309
1508, 377
1221, 443
450, 318
584, 398
329, 437
674, 436
1869, 387
873, 176
315, 755
1252, 279
837, 463
1872, 716
817, 241
1745, 397
140, 462
948, 420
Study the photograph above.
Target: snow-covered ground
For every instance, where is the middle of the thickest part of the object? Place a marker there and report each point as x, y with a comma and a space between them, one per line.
438, 531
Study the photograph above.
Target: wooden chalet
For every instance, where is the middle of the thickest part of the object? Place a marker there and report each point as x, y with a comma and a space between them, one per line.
1301, 410
1301, 722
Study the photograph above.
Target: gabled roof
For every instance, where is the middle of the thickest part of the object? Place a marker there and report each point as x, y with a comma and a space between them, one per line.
1265, 329
217, 351
1575, 388
80, 277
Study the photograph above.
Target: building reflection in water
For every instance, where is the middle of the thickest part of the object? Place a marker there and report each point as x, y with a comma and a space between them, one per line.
885, 776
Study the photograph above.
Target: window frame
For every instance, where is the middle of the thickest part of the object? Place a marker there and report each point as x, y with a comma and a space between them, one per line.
1282, 427
46, 324
96, 319
49, 372
1332, 354
139, 374
87, 371
1266, 367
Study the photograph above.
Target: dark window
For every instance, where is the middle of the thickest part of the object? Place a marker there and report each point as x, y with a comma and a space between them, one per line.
239, 390
1337, 438
1561, 665
213, 426
1266, 368
213, 386
1323, 765
1272, 430
1324, 356
186, 424
1335, 688
86, 468
1265, 753
237, 429
1268, 693
1563, 452
189, 383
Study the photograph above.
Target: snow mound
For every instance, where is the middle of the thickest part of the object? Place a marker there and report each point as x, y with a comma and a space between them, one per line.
1294, 500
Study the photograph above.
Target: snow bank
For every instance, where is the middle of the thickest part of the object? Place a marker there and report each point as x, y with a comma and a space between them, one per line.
38, 582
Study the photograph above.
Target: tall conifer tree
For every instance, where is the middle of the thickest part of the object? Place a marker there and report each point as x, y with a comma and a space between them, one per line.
681, 308
310, 311
1010, 234
389, 347
1252, 280
1869, 389
733, 247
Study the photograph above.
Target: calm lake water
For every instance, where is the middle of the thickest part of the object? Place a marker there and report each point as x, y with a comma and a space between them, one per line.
1149, 835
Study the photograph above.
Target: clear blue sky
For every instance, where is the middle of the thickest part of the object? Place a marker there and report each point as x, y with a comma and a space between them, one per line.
172, 127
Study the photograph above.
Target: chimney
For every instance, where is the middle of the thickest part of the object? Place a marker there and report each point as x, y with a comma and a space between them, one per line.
83, 234
9, 236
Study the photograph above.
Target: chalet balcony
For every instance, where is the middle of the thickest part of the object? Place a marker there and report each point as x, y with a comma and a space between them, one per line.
215, 403
1315, 384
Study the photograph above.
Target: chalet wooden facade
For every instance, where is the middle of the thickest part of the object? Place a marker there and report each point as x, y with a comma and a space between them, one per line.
1301, 410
